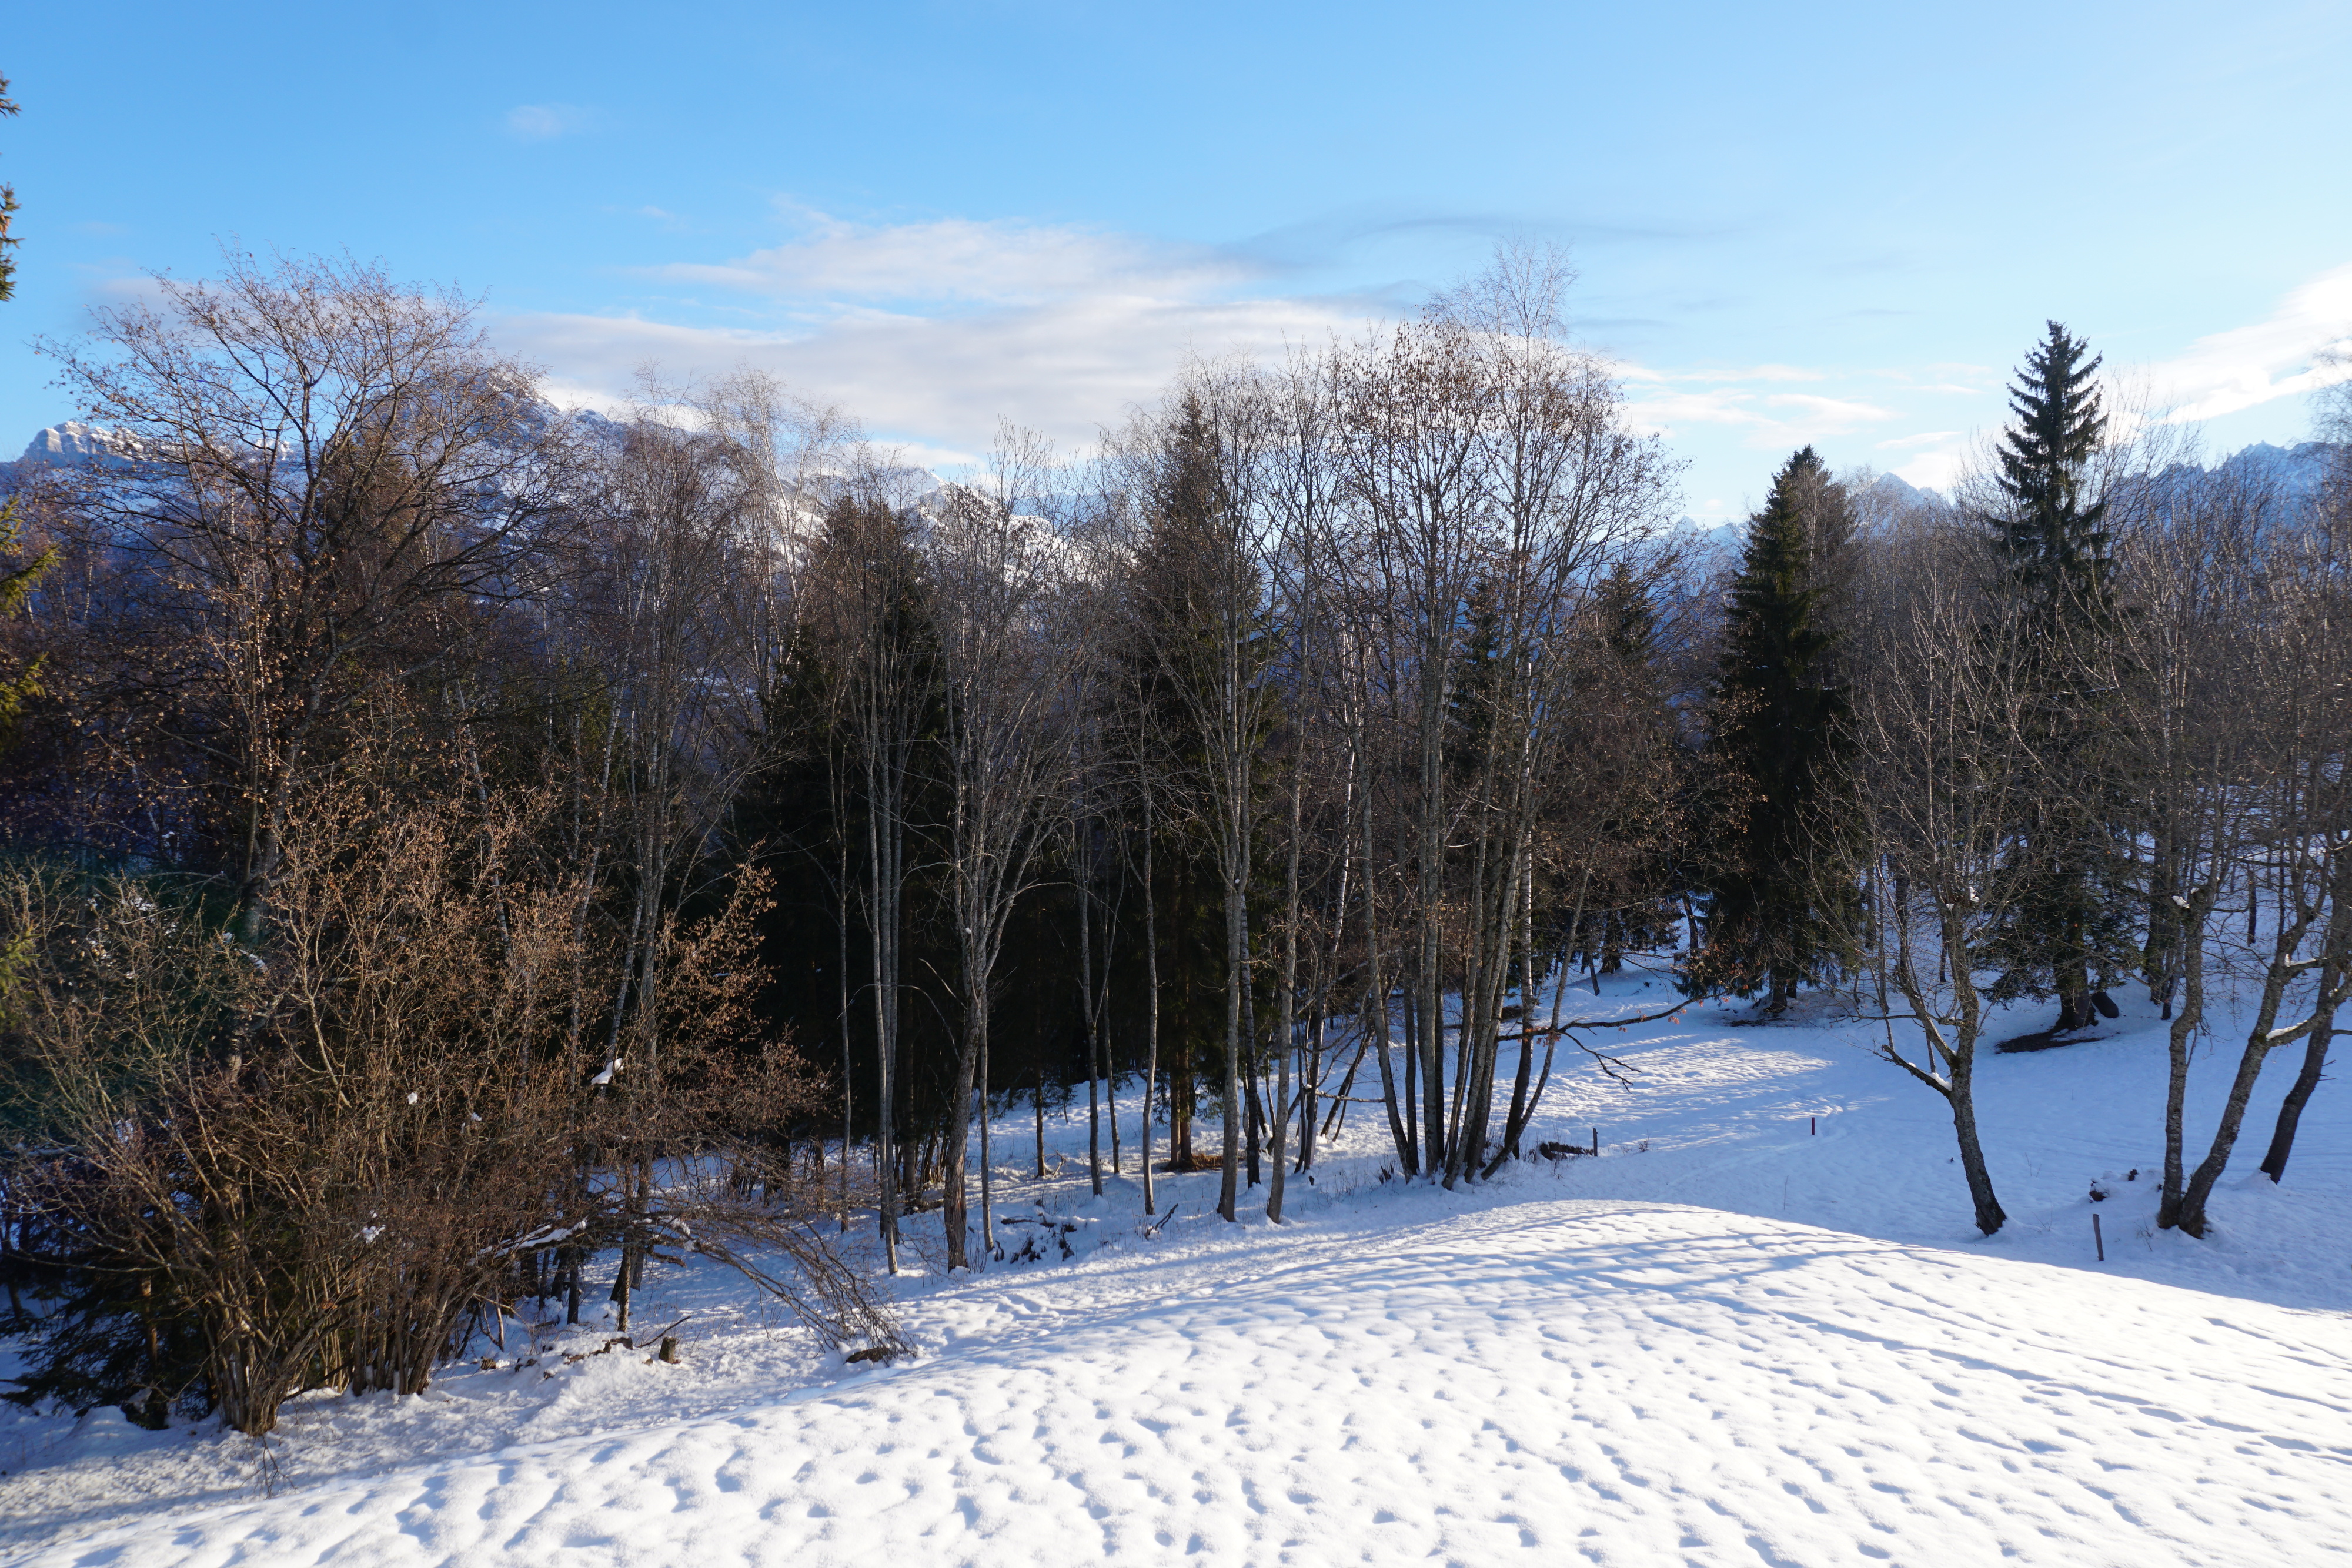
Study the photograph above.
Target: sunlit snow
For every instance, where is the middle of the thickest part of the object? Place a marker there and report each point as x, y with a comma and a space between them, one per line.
1731, 1339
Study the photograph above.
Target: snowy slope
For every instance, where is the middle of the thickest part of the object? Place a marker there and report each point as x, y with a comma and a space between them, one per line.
1822, 1365
1625, 1383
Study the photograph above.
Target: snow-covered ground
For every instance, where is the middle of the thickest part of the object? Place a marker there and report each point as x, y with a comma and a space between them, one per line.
1729, 1340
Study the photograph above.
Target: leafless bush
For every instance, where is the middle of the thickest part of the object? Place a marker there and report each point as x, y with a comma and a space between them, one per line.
331, 1149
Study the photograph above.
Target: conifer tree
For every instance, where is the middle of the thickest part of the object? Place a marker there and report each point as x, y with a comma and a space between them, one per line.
1781, 901
9, 242
20, 678
1629, 909
2068, 929
1627, 619
2049, 537
16, 585
1197, 628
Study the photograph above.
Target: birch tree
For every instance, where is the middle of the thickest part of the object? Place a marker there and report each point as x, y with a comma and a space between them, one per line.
869, 603
993, 573
1495, 477
2293, 671
1941, 765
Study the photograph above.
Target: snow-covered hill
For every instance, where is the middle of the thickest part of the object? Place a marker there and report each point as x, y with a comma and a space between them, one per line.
1552, 1378
1731, 1339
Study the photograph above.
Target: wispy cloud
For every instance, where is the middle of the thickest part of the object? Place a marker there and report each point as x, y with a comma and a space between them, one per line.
1772, 418
1706, 375
1719, 413
960, 261
1065, 368
545, 121
933, 330
2274, 358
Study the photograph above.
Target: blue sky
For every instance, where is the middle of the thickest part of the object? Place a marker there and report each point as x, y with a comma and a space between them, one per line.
1825, 222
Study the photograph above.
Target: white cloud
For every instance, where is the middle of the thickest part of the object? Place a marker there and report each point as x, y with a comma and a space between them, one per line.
1771, 419
1934, 470
1065, 368
960, 260
2274, 358
544, 122
932, 331
1832, 415
1769, 373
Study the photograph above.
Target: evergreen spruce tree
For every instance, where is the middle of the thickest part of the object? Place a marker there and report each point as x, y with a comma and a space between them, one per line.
1631, 909
9, 242
2049, 536
1471, 697
1781, 900
20, 678
1185, 577
2068, 929
23, 680
1628, 621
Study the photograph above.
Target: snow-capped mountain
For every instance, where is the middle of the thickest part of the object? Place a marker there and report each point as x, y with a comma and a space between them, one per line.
73, 444
2296, 471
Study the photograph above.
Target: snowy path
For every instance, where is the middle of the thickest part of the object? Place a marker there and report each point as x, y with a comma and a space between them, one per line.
1540, 1379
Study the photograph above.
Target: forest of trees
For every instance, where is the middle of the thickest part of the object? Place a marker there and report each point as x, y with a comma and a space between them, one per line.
456, 852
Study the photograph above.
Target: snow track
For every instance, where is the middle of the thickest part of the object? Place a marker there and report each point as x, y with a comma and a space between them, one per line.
1516, 1377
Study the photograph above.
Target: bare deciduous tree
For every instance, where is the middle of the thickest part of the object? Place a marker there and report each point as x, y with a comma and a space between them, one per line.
333, 473
334, 1200
994, 572
1940, 765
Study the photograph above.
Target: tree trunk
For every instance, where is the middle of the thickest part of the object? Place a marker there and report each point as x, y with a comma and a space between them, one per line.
1286, 1000
1087, 1007
2293, 923
1254, 1128
882, 904
1523, 1102
1310, 1079
1280, 1123
2072, 980
953, 1204
848, 1090
987, 1176
1410, 1095
1151, 1004
1956, 1055
2190, 1214
1989, 1217
2179, 1039
2314, 1061
1237, 978
1094, 1118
